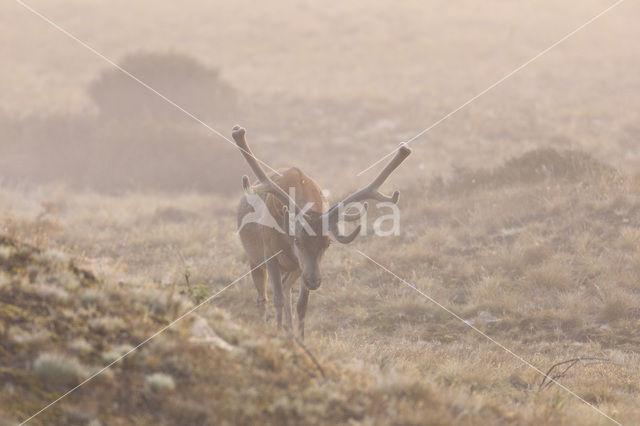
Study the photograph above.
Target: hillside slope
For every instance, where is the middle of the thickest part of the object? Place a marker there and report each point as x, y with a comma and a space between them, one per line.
60, 325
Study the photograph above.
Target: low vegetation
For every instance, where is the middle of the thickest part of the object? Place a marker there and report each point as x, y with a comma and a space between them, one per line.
202, 371
541, 254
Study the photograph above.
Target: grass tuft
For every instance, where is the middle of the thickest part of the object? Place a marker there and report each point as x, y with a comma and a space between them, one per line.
160, 382
59, 369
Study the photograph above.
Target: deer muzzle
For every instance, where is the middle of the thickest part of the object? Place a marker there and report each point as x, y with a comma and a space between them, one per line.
312, 283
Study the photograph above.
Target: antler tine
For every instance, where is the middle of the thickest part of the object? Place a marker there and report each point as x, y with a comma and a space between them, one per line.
343, 239
371, 191
402, 153
352, 217
239, 135
348, 217
368, 192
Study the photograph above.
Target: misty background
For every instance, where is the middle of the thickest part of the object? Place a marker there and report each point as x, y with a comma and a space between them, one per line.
343, 84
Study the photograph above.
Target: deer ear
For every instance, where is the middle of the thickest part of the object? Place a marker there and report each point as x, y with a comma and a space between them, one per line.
246, 185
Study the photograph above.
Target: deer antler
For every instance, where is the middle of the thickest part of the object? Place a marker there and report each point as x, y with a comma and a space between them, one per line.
266, 184
369, 192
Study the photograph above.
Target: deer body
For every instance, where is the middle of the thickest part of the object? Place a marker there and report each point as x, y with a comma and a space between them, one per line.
294, 247
262, 242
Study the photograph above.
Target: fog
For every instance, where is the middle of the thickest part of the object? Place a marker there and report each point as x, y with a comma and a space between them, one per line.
519, 209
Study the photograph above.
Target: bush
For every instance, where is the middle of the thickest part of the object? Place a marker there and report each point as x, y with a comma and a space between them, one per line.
138, 142
532, 167
59, 369
160, 382
182, 79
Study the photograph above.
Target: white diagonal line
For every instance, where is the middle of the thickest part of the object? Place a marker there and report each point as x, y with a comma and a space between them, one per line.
133, 77
171, 324
488, 337
507, 76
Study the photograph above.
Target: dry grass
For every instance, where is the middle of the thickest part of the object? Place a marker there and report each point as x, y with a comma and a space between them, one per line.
546, 266
236, 375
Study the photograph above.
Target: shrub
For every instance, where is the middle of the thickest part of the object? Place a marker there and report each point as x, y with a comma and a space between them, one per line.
532, 167
107, 324
51, 292
55, 257
138, 141
91, 297
115, 353
80, 345
5, 252
59, 369
185, 80
68, 280
160, 382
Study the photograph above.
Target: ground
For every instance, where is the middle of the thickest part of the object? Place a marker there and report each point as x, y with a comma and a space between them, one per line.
540, 254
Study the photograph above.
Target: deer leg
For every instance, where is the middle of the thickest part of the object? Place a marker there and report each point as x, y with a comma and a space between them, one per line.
286, 300
287, 283
259, 276
273, 269
303, 300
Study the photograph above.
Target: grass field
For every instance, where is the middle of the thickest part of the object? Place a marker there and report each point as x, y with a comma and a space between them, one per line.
549, 266
520, 214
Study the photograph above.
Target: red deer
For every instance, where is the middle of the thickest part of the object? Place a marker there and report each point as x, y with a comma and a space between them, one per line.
301, 244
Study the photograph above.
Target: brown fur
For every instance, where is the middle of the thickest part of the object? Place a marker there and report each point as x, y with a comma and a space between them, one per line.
261, 242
